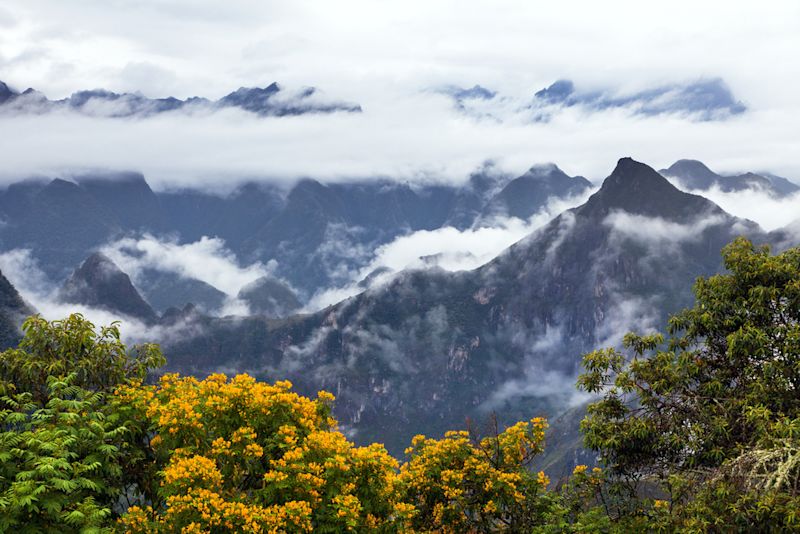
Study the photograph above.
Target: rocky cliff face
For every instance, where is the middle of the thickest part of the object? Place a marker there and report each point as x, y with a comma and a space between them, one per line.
13, 310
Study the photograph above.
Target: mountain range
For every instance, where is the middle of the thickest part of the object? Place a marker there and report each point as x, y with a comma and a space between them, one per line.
271, 100
707, 98
429, 348
317, 234
704, 99
695, 175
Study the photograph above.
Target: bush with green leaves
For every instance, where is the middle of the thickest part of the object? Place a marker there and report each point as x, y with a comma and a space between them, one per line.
64, 448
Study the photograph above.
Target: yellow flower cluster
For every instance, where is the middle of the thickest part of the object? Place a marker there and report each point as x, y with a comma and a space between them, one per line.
194, 471
240, 455
454, 482
207, 510
250, 456
326, 464
542, 479
579, 469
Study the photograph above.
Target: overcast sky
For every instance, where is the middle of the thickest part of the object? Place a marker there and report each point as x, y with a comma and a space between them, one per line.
384, 55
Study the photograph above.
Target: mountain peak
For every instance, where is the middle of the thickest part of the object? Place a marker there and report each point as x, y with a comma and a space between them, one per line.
631, 176
101, 283
690, 165
99, 265
5, 92
525, 195
692, 172
558, 92
270, 297
544, 169
637, 188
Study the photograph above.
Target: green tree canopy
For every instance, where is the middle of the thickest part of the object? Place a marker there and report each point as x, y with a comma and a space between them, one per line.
720, 391
98, 357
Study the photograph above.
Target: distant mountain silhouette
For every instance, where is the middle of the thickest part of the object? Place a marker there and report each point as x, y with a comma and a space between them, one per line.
707, 99
163, 290
268, 101
694, 174
524, 196
270, 297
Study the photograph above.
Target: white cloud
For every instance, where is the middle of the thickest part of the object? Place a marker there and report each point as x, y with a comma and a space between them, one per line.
769, 212
383, 55
413, 137
627, 314
23, 271
655, 231
207, 260
558, 388
513, 45
447, 248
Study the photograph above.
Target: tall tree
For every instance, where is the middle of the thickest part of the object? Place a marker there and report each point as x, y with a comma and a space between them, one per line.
686, 413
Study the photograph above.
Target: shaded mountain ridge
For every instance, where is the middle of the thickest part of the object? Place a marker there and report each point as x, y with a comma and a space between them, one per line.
431, 348
695, 175
13, 310
318, 233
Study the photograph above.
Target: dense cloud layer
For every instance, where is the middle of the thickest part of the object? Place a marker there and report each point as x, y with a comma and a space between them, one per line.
418, 138
388, 57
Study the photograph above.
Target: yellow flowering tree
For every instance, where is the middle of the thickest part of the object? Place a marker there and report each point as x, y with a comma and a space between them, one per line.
459, 484
241, 455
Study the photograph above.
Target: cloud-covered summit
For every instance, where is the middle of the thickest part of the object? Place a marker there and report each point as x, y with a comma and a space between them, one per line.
271, 100
705, 99
695, 175
701, 100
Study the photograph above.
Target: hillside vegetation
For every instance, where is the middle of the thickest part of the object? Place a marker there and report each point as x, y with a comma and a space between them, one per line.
696, 430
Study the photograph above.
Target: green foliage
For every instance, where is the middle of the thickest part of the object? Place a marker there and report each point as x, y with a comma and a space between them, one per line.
59, 461
62, 445
99, 360
708, 417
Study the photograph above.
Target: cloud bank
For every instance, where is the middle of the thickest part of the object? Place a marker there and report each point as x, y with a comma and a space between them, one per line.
384, 56
207, 260
757, 205
24, 273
